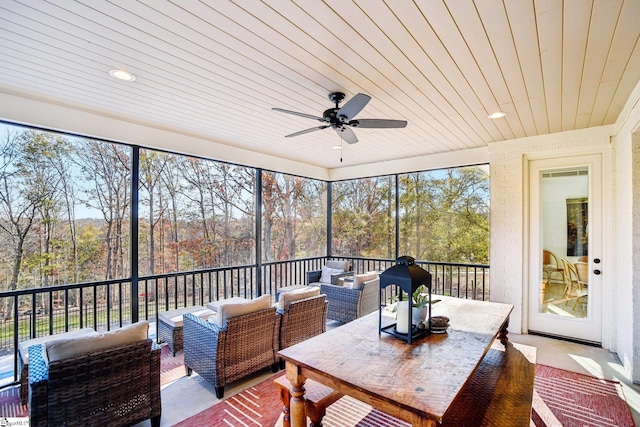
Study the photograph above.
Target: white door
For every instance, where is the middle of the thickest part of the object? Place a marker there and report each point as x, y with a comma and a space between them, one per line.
565, 251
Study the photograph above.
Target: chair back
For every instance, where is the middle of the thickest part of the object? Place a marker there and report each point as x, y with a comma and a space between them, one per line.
549, 258
303, 319
570, 273
340, 265
582, 272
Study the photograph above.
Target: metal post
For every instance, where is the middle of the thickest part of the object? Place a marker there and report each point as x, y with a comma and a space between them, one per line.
258, 190
329, 220
133, 233
397, 216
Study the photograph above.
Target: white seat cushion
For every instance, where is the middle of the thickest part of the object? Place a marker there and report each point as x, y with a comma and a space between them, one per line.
360, 279
66, 348
233, 309
173, 318
23, 347
215, 305
287, 298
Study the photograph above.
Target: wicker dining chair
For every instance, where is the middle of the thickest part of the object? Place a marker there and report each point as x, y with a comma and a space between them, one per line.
582, 272
551, 265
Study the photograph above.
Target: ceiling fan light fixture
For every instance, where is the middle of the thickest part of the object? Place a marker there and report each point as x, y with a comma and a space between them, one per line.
123, 75
497, 115
337, 147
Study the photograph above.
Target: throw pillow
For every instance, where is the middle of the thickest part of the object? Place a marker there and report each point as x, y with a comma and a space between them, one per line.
64, 349
342, 265
229, 310
287, 298
359, 279
325, 276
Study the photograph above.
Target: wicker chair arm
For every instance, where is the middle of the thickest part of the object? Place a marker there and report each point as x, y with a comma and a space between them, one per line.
313, 276
202, 342
38, 379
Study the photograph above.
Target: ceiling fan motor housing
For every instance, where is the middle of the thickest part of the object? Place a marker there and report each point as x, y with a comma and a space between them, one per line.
336, 97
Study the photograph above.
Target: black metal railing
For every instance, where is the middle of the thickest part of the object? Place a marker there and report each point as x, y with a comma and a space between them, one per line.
107, 305
470, 281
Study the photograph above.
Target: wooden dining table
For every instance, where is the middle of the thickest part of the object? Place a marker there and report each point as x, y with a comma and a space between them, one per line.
415, 382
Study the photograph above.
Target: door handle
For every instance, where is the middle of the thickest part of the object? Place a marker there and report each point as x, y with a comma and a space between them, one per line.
596, 272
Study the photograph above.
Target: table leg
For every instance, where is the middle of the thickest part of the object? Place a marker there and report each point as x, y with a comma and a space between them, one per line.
297, 407
502, 334
418, 421
285, 398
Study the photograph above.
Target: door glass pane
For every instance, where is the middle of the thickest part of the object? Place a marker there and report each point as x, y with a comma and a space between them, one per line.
564, 201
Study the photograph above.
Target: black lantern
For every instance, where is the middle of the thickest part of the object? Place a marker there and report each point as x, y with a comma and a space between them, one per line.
408, 277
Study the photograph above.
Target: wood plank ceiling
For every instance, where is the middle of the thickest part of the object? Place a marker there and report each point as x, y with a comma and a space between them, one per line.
214, 69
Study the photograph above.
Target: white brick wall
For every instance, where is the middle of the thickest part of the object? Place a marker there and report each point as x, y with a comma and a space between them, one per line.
508, 162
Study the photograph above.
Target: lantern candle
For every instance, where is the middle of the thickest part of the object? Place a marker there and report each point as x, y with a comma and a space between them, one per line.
402, 318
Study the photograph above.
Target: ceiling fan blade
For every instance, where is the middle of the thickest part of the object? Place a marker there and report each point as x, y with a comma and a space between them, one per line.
346, 134
353, 107
302, 132
295, 113
378, 123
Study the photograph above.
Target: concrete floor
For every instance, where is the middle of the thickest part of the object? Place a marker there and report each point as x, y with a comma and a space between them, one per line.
190, 395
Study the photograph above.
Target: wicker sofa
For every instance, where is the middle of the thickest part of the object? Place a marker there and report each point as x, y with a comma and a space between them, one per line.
347, 304
115, 383
234, 346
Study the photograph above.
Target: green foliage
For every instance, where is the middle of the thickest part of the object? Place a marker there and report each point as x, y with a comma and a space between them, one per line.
444, 216
419, 299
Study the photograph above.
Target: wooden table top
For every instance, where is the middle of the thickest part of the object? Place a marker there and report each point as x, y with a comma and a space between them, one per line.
421, 378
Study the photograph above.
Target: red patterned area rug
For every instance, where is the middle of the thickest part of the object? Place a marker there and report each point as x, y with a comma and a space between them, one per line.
254, 406
569, 399
10, 405
561, 399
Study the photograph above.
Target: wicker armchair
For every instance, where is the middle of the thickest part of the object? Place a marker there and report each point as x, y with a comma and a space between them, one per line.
118, 386
313, 277
221, 355
302, 319
347, 304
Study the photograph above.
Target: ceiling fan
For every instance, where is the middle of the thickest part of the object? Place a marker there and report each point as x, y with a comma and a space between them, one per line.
342, 119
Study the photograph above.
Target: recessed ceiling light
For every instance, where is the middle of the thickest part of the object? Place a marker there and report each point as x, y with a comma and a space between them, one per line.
122, 75
497, 115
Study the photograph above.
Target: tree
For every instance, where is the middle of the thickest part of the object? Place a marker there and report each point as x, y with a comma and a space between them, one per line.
293, 219
446, 215
24, 190
152, 168
363, 217
106, 169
